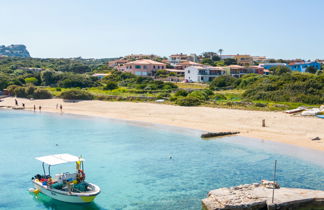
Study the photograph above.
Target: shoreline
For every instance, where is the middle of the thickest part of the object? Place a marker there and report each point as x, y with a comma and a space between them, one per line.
280, 127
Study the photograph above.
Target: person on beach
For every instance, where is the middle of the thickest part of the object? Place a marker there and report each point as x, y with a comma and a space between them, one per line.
16, 102
23, 105
61, 107
40, 108
34, 108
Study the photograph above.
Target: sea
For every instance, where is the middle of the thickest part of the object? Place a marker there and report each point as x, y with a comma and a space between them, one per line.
140, 165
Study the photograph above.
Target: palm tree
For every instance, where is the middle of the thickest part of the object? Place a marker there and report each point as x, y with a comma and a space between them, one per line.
220, 51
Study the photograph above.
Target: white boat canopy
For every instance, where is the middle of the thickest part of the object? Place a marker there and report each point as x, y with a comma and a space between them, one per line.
58, 159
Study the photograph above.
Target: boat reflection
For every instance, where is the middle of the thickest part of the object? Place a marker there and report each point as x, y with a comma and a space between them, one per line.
53, 204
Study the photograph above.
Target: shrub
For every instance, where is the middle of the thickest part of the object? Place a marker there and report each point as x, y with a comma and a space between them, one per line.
279, 70
200, 94
222, 82
42, 94
181, 92
111, 85
188, 101
76, 95
20, 92
163, 95
219, 96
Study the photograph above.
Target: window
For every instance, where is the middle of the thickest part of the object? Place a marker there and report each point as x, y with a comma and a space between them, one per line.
188, 71
153, 67
137, 67
144, 67
138, 73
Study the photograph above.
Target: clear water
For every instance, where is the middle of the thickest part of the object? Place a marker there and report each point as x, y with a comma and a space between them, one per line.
131, 162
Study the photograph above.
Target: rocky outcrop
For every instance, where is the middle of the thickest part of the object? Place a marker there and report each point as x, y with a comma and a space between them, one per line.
18, 50
259, 196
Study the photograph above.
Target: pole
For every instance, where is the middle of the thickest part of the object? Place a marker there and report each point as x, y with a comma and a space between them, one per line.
43, 168
274, 180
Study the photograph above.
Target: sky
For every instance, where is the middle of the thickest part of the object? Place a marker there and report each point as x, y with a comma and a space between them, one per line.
111, 28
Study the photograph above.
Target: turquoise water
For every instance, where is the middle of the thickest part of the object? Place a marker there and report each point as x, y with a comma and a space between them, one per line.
131, 162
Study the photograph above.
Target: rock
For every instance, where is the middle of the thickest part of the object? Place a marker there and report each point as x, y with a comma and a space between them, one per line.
316, 139
217, 134
258, 196
18, 50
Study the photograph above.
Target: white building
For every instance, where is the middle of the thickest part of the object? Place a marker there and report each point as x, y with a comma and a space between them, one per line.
203, 73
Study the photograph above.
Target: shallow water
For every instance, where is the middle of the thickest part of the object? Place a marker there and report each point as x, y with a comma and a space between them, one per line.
131, 162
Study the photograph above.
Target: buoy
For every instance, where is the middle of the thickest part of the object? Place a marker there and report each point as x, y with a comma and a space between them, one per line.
33, 190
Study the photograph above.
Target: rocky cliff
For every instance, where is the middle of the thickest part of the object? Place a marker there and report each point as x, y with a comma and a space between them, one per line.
17, 50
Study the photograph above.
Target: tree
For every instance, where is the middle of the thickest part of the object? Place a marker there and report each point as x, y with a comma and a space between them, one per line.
278, 70
31, 80
220, 51
230, 61
311, 69
211, 55
48, 77
207, 61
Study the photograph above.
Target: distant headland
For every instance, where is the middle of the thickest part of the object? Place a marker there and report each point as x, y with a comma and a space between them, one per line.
14, 50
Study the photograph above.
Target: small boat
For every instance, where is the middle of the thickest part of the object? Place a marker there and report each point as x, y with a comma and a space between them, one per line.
67, 187
292, 111
320, 116
311, 112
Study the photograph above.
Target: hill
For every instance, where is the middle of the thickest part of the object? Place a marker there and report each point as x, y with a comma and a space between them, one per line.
17, 50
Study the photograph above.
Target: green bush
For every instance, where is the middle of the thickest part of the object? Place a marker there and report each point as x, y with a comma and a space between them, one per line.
219, 96
76, 95
42, 94
20, 92
111, 85
223, 82
181, 92
188, 101
163, 95
294, 87
200, 94
29, 92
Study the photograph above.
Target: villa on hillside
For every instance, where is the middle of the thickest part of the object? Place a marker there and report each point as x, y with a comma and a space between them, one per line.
238, 71
179, 58
186, 64
302, 66
144, 67
227, 57
259, 59
116, 63
133, 57
270, 65
208, 73
203, 73
244, 60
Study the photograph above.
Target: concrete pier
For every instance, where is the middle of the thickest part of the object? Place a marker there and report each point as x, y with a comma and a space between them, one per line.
259, 197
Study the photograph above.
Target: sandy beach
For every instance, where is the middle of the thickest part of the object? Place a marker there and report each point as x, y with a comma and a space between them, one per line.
280, 127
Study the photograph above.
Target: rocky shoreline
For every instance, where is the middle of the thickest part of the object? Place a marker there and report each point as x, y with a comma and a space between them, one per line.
258, 196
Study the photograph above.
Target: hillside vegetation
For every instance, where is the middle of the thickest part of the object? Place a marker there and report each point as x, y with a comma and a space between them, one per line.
72, 79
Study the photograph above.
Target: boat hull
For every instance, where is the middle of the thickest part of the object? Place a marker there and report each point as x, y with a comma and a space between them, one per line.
66, 197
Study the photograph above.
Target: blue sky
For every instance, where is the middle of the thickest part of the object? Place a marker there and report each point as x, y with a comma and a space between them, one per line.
107, 28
